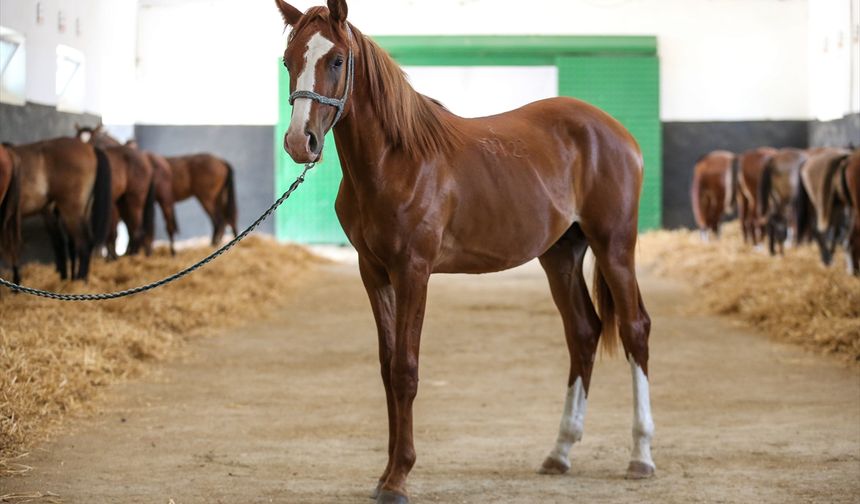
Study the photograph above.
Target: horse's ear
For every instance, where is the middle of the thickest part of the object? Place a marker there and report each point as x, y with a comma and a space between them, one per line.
78, 127
338, 10
290, 14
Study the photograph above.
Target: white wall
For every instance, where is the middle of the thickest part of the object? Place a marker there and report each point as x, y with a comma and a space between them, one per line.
210, 61
834, 58
106, 37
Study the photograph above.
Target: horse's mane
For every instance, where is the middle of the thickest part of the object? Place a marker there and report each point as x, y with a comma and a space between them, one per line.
419, 125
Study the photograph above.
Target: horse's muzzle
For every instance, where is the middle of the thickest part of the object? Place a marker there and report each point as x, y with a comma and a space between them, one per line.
303, 147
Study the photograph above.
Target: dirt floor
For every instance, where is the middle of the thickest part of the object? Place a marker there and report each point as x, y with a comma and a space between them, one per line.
293, 411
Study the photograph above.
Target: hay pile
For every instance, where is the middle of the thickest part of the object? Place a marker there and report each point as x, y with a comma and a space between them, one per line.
54, 357
793, 298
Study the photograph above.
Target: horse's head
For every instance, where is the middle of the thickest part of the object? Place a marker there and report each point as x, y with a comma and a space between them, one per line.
319, 60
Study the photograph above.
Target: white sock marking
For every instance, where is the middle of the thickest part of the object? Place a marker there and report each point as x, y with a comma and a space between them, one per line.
643, 425
572, 422
318, 46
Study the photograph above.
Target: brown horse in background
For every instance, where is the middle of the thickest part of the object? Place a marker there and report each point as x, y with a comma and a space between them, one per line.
162, 181
822, 202
778, 191
69, 184
851, 183
714, 189
751, 165
132, 190
10, 211
425, 191
211, 180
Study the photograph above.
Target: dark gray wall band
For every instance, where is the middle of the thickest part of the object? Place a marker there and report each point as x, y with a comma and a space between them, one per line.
839, 133
249, 149
33, 122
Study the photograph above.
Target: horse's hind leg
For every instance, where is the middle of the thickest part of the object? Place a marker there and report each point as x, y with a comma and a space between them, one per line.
110, 242
58, 242
218, 225
614, 250
131, 213
563, 266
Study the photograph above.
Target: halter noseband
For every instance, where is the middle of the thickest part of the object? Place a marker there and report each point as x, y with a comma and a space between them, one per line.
325, 100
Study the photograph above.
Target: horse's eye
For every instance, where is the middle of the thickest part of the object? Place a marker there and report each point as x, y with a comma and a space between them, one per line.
338, 62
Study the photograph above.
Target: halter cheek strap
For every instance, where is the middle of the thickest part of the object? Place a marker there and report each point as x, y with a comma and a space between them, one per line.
339, 104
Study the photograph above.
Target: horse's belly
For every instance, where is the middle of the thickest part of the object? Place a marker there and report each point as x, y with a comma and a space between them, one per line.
503, 240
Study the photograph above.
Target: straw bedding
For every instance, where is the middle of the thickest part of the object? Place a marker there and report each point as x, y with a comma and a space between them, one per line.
55, 357
792, 298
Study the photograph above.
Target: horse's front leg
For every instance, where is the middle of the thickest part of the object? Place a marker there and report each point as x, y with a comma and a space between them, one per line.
382, 302
410, 288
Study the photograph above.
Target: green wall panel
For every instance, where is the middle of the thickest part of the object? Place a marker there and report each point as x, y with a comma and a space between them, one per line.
628, 88
618, 74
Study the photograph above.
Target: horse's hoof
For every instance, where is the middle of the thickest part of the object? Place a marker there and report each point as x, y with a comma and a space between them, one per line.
389, 497
554, 466
375, 494
639, 470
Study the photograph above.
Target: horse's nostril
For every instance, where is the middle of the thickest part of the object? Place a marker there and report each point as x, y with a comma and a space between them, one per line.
313, 143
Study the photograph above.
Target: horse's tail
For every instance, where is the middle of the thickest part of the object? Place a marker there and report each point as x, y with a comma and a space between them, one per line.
606, 311
230, 212
764, 188
696, 198
804, 211
149, 215
100, 215
10, 217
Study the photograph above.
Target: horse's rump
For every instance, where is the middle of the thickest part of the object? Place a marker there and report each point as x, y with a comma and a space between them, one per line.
711, 192
10, 212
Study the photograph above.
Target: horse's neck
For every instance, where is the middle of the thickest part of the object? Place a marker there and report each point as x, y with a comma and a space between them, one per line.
360, 142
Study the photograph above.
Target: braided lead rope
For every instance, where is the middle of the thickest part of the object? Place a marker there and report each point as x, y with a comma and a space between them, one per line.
172, 278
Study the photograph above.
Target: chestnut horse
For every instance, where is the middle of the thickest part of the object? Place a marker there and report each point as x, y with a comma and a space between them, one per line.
851, 179
10, 211
713, 191
778, 191
69, 184
751, 165
210, 180
132, 190
425, 191
823, 202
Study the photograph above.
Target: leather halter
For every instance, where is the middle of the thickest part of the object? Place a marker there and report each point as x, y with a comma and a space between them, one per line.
339, 104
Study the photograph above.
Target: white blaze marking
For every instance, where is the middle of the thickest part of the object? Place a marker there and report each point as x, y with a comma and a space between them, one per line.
318, 46
572, 422
643, 425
